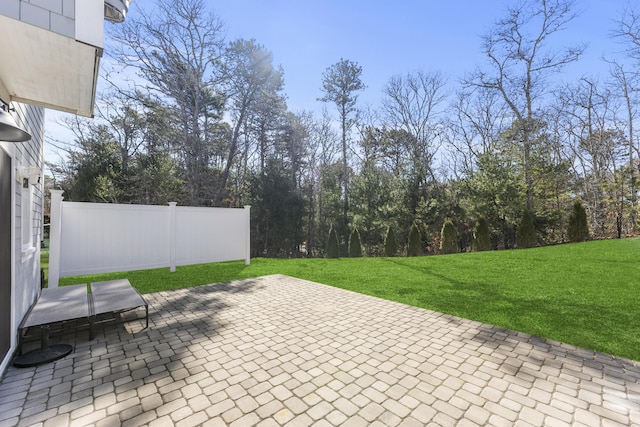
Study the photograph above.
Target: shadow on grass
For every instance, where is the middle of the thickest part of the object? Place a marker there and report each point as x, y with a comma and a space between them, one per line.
561, 316
161, 279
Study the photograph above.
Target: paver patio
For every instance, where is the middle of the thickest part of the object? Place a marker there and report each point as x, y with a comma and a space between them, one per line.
282, 351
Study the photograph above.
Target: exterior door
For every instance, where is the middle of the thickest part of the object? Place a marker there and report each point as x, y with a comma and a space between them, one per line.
5, 254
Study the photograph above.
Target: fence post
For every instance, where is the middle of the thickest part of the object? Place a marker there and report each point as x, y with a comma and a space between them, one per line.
55, 230
172, 236
247, 211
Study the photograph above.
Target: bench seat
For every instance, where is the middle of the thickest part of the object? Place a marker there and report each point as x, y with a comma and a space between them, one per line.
74, 302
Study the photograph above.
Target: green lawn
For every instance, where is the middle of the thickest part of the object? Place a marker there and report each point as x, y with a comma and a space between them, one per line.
584, 294
44, 263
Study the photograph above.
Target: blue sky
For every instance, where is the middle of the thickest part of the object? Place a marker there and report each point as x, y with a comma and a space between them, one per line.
392, 37
386, 38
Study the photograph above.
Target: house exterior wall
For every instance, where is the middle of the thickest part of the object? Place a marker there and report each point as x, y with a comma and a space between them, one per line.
51, 57
26, 263
57, 16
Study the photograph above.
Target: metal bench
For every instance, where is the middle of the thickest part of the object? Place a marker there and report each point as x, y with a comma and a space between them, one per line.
73, 302
115, 296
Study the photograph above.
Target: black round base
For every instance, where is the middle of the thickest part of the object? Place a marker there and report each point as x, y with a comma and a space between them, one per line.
38, 357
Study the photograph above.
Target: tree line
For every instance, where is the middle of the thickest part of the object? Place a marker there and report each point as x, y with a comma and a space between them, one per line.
193, 118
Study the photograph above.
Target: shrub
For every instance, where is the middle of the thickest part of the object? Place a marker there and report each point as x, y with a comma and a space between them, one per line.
448, 238
481, 235
390, 244
333, 251
355, 247
526, 233
415, 241
578, 226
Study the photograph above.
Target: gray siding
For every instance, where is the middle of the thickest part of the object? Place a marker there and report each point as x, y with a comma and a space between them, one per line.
29, 154
25, 265
57, 16
31, 118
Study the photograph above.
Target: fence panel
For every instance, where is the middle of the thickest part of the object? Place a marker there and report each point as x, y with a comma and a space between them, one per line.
103, 238
202, 237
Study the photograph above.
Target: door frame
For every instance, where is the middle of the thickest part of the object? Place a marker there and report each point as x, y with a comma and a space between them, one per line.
5, 361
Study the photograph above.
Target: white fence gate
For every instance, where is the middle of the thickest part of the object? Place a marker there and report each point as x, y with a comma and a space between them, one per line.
89, 238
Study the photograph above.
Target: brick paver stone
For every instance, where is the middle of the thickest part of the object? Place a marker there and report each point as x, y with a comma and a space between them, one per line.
277, 350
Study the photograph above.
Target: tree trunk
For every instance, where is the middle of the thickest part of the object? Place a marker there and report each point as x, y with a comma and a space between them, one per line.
345, 168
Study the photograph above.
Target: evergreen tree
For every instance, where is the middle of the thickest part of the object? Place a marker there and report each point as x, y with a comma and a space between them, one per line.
496, 189
413, 247
481, 236
333, 251
278, 212
390, 245
448, 238
355, 247
578, 226
526, 233
340, 84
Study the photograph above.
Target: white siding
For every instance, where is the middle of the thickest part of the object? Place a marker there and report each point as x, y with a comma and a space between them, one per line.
29, 154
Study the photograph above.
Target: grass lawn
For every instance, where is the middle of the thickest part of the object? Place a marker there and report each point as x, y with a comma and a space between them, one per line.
584, 294
44, 263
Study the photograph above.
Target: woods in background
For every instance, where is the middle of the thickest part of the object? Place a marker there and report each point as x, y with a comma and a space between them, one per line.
456, 166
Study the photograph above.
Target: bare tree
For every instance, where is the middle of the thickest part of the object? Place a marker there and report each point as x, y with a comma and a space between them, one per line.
412, 104
126, 125
587, 112
520, 64
627, 84
176, 49
254, 88
628, 31
476, 118
323, 152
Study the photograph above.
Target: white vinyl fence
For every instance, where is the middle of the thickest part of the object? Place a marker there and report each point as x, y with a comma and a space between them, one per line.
88, 238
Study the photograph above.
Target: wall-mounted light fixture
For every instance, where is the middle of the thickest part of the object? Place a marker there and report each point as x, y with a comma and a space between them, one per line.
9, 130
29, 175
